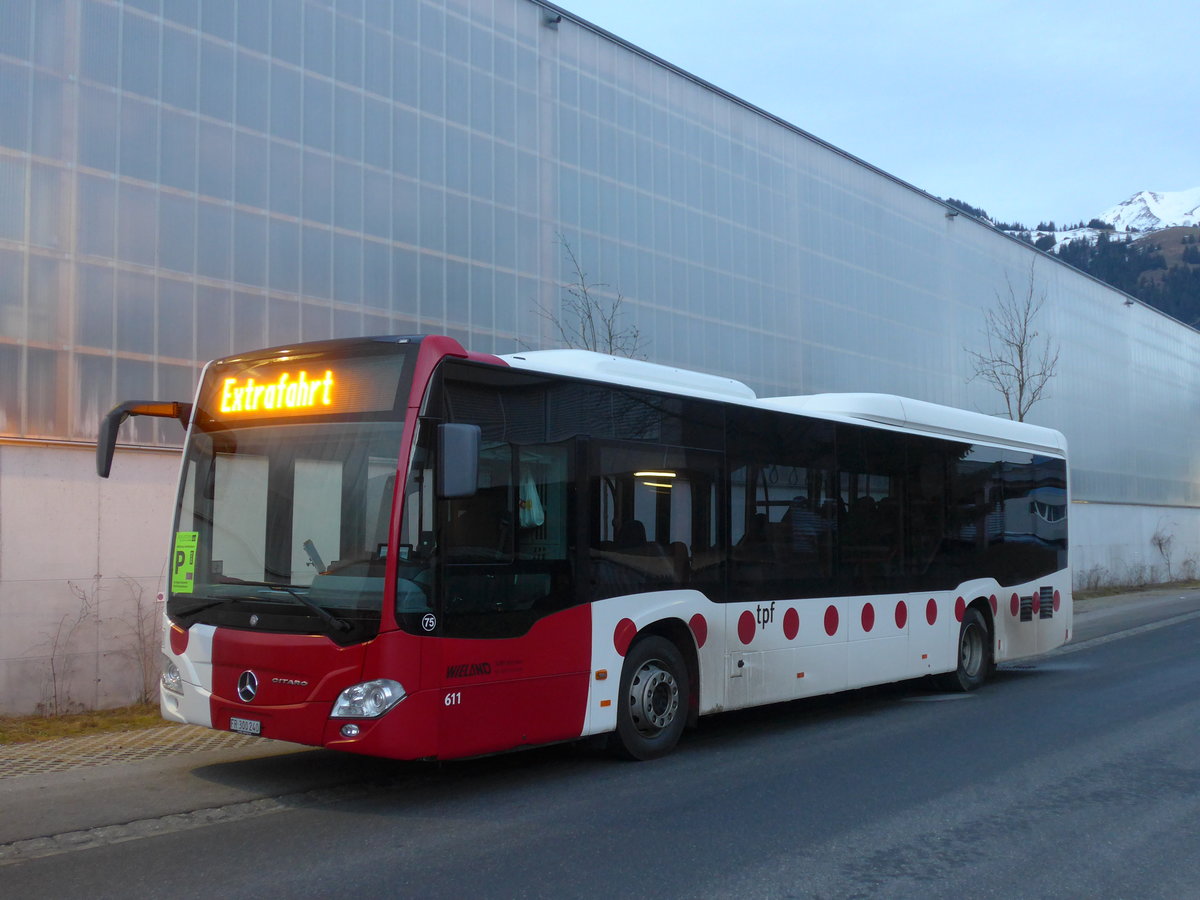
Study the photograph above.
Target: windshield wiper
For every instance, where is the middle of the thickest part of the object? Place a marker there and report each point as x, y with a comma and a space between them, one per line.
319, 611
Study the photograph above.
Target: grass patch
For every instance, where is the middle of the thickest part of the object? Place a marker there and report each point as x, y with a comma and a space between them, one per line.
1108, 591
1111, 590
23, 729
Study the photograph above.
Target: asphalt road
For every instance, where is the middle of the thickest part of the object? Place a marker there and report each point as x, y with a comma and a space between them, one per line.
1074, 775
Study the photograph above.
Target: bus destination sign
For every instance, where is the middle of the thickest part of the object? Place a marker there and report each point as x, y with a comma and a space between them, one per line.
287, 387
291, 393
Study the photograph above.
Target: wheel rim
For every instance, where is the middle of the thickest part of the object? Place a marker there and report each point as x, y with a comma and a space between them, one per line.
653, 698
970, 650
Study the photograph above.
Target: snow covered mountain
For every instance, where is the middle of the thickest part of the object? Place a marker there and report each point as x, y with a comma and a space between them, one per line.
1145, 247
1142, 214
1151, 211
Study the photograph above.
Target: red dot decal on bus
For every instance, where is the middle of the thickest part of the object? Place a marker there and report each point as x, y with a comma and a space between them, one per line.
901, 615
931, 611
623, 635
995, 604
831, 621
791, 624
699, 628
746, 627
960, 609
868, 617
1014, 605
1037, 602
1057, 600
179, 640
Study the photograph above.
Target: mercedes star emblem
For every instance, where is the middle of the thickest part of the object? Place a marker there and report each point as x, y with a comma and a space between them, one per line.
247, 686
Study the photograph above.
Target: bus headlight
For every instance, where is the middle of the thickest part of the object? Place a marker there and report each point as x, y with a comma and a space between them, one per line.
171, 679
368, 700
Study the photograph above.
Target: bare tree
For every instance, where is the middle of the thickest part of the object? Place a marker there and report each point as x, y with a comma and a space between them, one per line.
1017, 360
1164, 543
61, 642
143, 625
587, 321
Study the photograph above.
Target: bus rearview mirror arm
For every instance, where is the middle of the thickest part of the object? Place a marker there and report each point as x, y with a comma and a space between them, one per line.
106, 443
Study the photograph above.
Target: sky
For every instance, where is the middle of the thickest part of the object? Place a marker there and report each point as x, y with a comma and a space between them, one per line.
1031, 110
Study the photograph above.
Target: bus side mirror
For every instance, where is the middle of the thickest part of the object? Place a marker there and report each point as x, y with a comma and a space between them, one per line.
458, 460
106, 443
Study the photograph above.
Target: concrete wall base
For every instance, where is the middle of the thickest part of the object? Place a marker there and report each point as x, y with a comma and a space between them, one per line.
1120, 545
82, 560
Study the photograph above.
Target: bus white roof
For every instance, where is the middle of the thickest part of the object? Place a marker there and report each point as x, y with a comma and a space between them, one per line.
631, 373
919, 415
884, 409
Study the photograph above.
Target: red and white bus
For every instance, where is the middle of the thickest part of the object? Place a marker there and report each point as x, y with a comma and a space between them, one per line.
396, 547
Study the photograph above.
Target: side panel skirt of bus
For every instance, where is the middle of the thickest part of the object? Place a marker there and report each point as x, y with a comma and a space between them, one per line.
749, 654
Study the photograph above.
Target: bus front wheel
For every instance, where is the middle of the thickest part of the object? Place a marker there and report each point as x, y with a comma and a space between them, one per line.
974, 654
653, 700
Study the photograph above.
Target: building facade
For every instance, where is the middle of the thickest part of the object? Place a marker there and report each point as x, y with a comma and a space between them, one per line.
180, 180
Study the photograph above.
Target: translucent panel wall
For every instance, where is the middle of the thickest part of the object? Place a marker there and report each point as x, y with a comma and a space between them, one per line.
181, 180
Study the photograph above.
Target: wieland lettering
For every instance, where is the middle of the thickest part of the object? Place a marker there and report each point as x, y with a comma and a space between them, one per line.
466, 670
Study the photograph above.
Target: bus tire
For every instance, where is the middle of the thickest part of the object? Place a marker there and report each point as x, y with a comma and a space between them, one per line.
652, 705
974, 654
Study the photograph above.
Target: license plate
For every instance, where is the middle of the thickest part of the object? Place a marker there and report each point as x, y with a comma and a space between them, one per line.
245, 726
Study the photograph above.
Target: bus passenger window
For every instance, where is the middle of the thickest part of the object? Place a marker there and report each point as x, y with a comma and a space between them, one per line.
784, 507
506, 553
480, 528
654, 520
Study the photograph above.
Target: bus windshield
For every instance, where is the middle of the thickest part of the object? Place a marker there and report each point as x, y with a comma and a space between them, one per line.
284, 527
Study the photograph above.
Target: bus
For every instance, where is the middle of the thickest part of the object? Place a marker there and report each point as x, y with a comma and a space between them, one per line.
396, 547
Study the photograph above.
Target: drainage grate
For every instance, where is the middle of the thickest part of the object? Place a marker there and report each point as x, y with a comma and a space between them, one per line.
63, 754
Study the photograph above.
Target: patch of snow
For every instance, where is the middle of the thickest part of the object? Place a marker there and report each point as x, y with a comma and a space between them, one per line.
1152, 210
1091, 235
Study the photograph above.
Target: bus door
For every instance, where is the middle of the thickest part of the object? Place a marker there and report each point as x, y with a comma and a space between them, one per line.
783, 537
512, 657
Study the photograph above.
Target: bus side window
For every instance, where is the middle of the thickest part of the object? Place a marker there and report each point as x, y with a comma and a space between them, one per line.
927, 482
507, 552
871, 472
784, 508
543, 489
654, 520
543, 579
479, 528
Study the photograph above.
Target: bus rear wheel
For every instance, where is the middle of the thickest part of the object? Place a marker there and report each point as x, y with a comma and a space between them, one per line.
653, 700
974, 654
